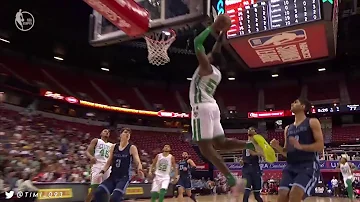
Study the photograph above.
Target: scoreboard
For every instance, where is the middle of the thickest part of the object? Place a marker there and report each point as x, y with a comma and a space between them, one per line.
250, 17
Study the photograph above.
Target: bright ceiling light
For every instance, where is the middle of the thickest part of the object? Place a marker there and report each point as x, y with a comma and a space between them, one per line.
105, 69
274, 75
321, 69
231, 78
189, 79
4, 40
58, 58
166, 33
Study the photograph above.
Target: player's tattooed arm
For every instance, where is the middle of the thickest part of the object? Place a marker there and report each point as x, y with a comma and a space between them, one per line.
192, 164
219, 42
90, 150
318, 145
153, 165
110, 159
135, 154
173, 167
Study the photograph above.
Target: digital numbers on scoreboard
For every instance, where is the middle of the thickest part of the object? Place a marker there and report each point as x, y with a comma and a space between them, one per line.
249, 17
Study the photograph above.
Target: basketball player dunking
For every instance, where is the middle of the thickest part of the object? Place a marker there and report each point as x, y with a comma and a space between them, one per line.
303, 141
120, 159
205, 118
98, 152
251, 171
347, 169
186, 166
163, 164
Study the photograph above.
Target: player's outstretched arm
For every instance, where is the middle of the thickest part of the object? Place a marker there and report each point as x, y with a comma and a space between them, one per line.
109, 161
90, 150
318, 145
204, 63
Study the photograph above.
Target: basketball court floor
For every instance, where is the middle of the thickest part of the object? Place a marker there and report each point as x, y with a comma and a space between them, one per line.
268, 198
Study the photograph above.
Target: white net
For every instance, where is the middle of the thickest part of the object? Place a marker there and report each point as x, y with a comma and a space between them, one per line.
158, 44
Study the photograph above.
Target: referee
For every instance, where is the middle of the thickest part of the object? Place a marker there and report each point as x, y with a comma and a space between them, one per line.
251, 171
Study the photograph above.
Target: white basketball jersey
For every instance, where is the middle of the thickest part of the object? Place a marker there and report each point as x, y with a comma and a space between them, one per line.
345, 170
102, 151
202, 88
163, 166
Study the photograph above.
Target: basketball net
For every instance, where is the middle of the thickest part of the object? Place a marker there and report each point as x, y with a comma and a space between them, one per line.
158, 43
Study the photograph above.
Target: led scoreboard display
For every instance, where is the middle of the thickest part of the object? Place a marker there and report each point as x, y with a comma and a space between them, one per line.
253, 17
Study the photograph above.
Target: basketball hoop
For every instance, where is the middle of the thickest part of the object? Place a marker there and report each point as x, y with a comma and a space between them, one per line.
158, 43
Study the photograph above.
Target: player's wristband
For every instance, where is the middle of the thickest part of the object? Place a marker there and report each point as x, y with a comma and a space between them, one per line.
102, 172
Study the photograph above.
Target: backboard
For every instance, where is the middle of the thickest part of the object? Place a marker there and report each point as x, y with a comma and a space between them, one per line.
163, 14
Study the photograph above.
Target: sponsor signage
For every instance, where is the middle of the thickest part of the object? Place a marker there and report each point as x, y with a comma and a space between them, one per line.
280, 165
269, 114
202, 167
73, 100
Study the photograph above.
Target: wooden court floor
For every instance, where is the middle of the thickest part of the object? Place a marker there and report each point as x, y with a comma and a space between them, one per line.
267, 198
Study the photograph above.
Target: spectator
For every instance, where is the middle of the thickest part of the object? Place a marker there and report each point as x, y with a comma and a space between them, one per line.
335, 186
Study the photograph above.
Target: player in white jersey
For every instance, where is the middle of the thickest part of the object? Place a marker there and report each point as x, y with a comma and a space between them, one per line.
162, 166
347, 169
98, 152
206, 127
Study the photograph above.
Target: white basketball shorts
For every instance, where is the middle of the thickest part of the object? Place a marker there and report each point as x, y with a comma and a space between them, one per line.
205, 121
95, 170
160, 183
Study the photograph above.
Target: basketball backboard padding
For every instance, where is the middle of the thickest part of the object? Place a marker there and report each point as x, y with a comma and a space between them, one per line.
103, 33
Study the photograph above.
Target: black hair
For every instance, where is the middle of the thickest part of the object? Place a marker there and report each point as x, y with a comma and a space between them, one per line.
217, 59
125, 129
306, 103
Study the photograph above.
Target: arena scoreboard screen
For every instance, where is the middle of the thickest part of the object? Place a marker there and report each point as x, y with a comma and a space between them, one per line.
269, 15
281, 32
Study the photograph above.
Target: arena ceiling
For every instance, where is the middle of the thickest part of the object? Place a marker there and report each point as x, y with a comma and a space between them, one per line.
61, 29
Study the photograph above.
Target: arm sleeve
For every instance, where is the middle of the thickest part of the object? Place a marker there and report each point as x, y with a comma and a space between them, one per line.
199, 40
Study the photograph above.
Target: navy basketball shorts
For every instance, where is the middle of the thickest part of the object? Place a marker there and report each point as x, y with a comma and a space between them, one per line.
184, 182
112, 184
253, 180
305, 176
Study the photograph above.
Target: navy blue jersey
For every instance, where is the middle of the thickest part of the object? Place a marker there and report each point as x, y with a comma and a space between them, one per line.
121, 162
304, 135
250, 161
184, 164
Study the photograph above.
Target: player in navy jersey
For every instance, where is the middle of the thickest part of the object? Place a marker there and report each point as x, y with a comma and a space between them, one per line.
303, 141
120, 160
186, 166
251, 171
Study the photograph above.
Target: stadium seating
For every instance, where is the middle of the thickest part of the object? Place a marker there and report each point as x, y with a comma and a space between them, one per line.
273, 93
323, 90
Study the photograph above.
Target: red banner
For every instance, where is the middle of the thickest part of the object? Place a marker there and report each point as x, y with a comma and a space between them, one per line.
280, 47
202, 167
73, 100
269, 114
126, 15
